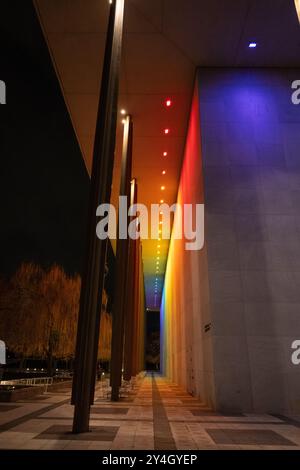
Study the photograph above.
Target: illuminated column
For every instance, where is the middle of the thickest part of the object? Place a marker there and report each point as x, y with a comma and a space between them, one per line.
100, 192
136, 311
121, 283
130, 294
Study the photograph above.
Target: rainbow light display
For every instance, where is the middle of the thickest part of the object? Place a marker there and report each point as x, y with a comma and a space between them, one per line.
177, 322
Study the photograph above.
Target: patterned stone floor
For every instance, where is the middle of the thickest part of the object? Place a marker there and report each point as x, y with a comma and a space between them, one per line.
157, 416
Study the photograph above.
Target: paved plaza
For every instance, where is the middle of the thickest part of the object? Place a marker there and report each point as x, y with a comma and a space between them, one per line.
157, 415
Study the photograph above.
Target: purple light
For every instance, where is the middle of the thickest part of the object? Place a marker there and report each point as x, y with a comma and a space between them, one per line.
252, 45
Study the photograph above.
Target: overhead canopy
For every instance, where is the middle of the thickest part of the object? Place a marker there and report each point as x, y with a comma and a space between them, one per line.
164, 42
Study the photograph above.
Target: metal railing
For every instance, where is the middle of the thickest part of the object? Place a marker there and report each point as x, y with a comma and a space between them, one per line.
30, 382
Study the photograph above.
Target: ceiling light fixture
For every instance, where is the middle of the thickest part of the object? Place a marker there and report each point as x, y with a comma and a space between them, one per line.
165, 154
168, 103
167, 131
252, 45
163, 172
123, 112
162, 188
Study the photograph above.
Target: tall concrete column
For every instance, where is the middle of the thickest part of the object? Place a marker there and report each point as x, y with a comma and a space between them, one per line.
121, 285
100, 192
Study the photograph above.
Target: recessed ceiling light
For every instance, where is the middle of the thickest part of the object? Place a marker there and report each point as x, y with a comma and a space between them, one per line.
162, 188
123, 121
168, 103
163, 172
252, 45
165, 154
167, 131
162, 201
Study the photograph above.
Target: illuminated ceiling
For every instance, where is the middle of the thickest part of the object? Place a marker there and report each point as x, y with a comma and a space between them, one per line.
164, 41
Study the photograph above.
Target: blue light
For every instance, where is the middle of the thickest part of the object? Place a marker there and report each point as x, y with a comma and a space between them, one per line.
252, 45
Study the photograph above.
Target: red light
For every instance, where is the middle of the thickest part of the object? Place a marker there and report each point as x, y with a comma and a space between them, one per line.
165, 154
168, 103
167, 131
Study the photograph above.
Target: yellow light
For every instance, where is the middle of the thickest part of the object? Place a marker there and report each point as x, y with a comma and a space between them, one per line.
162, 201
163, 188
123, 112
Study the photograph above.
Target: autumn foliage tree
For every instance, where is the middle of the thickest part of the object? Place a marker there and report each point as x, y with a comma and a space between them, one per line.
39, 312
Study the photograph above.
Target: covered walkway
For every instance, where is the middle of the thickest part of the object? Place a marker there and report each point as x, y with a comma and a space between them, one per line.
156, 415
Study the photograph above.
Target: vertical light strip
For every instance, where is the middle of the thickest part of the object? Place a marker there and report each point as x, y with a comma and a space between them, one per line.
297, 5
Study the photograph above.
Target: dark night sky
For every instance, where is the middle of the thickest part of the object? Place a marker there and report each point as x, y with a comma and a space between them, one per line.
153, 321
43, 181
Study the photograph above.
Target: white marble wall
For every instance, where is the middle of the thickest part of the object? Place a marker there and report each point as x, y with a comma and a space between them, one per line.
251, 152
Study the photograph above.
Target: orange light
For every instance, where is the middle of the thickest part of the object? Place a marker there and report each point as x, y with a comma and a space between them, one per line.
123, 112
163, 188
164, 172
160, 223
165, 154
167, 131
162, 201
168, 103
